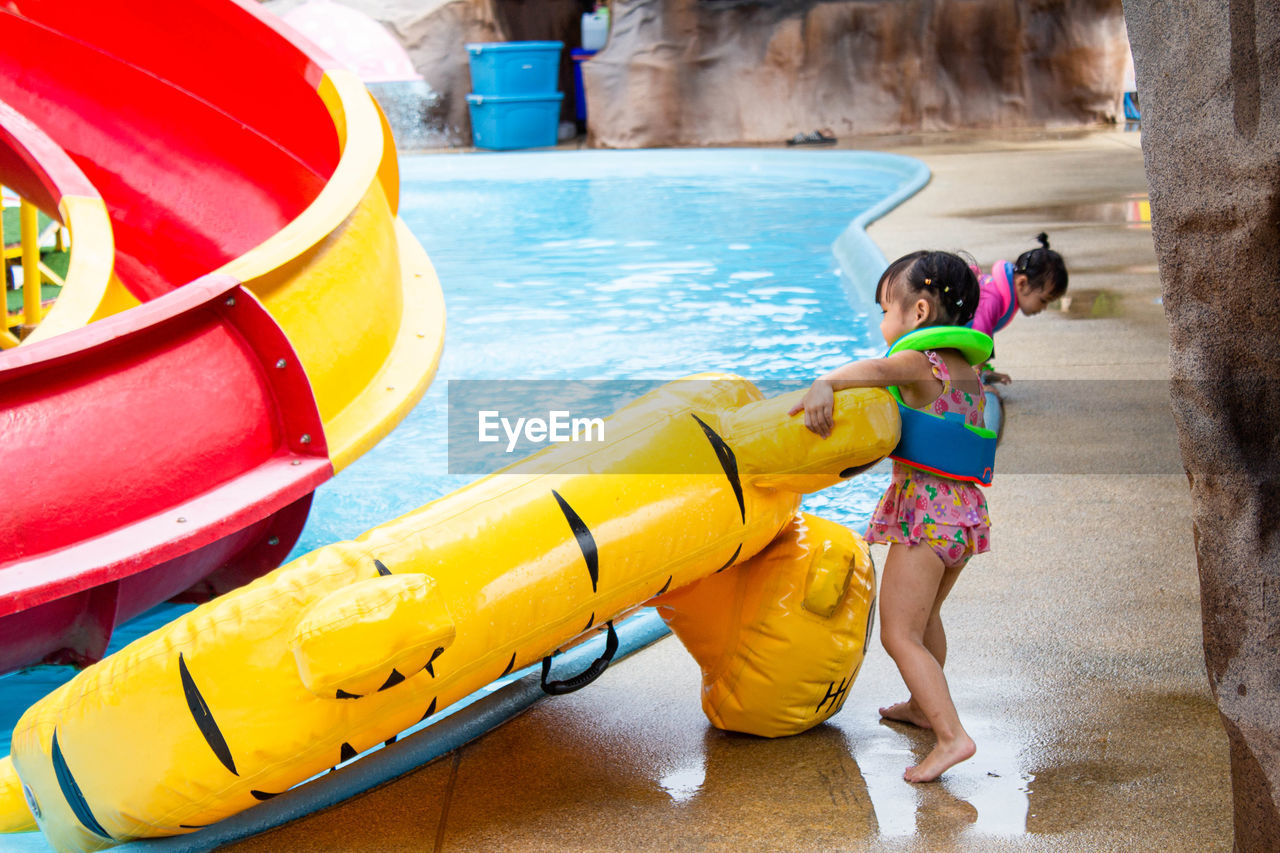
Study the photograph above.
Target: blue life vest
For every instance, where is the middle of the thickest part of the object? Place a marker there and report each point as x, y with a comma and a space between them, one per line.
1007, 283
945, 444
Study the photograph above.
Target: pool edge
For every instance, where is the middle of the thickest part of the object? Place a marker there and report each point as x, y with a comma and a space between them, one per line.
860, 259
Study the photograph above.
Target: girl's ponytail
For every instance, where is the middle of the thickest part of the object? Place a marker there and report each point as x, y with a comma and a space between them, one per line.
1044, 268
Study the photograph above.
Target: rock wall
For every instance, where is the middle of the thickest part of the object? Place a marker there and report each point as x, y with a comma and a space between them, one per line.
711, 72
716, 72
1208, 78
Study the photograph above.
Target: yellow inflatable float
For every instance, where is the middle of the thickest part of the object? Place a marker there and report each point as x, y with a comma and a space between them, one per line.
780, 659
256, 691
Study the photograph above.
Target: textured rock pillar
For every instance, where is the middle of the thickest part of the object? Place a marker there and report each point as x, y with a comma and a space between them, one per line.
1209, 88
710, 72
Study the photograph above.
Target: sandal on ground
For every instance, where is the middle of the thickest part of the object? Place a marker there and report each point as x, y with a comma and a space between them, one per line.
818, 137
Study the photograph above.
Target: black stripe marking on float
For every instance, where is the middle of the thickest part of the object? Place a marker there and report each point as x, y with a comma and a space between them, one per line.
390, 740
871, 624
591, 621
666, 586
204, 718
71, 791
382, 570
586, 541
857, 469
431, 709
262, 796
731, 559
511, 663
728, 462
347, 752
192, 825
434, 655
342, 694
392, 680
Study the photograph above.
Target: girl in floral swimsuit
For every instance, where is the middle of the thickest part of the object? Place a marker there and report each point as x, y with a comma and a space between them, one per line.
932, 524
949, 515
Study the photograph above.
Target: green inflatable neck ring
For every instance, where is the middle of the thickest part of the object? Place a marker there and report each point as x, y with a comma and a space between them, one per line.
975, 346
945, 445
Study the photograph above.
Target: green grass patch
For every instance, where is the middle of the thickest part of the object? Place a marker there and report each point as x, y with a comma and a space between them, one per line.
57, 262
13, 230
13, 298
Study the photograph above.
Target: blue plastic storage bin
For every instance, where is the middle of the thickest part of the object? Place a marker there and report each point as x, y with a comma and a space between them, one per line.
501, 122
515, 67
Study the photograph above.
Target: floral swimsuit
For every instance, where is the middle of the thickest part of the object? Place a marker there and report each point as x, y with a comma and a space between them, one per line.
949, 515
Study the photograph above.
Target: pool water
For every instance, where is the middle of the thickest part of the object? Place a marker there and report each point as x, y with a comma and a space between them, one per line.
605, 265
645, 265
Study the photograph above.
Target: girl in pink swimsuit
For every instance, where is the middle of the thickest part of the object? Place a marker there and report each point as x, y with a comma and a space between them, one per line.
1028, 284
933, 524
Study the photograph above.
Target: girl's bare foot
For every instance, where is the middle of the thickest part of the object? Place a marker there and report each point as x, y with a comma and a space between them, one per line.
943, 757
906, 712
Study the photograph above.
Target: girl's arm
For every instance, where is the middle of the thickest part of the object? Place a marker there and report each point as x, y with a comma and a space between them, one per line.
903, 368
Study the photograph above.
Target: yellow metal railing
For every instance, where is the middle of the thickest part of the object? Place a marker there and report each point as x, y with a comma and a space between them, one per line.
34, 274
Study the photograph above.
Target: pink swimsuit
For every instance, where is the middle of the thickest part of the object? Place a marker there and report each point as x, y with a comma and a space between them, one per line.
949, 515
997, 298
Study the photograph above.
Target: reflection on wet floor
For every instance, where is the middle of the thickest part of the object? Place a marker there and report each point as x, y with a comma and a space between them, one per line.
1132, 211
985, 796
883, 753
684, 783
1089, 304
844, 776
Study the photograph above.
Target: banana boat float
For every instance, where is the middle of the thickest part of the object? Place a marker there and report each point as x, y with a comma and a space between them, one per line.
341, 649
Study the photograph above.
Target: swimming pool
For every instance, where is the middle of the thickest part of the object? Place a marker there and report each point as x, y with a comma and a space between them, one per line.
608, 265
631, 265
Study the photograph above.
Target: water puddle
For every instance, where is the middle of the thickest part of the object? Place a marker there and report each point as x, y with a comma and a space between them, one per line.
683, 784
1089, 304
1131, 211
984, 797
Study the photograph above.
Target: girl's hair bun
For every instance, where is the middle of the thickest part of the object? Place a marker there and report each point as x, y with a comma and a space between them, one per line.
1043, 239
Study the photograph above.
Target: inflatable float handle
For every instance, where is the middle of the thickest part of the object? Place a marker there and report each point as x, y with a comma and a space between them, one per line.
588, 675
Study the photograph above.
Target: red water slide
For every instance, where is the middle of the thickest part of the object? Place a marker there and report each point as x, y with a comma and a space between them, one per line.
174, 445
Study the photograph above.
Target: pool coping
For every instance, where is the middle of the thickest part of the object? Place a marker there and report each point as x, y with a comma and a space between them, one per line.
858, 255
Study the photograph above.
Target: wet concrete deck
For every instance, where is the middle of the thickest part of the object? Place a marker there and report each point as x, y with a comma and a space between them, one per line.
1075, 656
